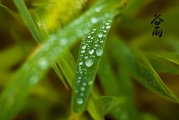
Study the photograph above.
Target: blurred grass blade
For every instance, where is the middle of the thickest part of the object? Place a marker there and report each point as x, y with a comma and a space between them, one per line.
163, 65
127, 110
107, 103
9, 11
90, 53
169, 56
145, 74
28, 19
38, 33
94, 110
37, 65
107, 77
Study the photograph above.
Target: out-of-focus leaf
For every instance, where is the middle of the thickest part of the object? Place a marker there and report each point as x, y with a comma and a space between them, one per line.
107, 103
107, 77
37, 65
127, 110
172, 57
93, 110
91, 51
162, 65
145, 74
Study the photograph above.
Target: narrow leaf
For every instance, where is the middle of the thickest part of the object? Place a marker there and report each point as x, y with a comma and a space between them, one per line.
37, 65
142, 70
90, 53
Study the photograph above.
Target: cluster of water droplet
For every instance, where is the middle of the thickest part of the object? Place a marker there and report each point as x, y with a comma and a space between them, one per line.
91, 51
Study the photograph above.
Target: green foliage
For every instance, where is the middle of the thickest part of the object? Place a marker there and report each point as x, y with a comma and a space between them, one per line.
101, 81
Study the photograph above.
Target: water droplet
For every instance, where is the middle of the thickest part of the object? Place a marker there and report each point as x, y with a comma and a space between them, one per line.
81, 63
80, 101
99, 51
89, 62
100, 35
82, 88
76, 91
84, 47
46, 47
33, 79
94, 20
63, 41
107, 23
84, 83
109, 20
107, 27
98, 9
89, 36
90, 82
91, 51
83, 51
43, 63
86, 57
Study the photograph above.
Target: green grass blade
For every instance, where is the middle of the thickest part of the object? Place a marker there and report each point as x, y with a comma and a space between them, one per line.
163, 65
36, 66
107, 77
169, 56
143, 71
28, 19
107, 103
123, 80
90, 53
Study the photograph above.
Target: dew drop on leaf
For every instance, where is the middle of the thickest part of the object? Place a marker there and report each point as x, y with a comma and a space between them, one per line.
84, 47
107, 27
82, 88
89, 62
94, 20
90, 82
99, 51
100, 35
91, 51
63, 41
80, 101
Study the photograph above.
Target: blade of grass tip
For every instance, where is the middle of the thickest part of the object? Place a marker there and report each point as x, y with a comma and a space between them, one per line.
145, 74
90, 53
128, 110
162, 65
28, 19
44, 35
170, 56
10, 11
35, 67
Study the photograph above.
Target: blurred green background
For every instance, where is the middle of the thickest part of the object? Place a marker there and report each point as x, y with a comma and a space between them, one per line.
50, 99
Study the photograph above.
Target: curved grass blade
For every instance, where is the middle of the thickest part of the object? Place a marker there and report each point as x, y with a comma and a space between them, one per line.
127, 110
33, 70
162, 65
90, 53
142, 70
169, 56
